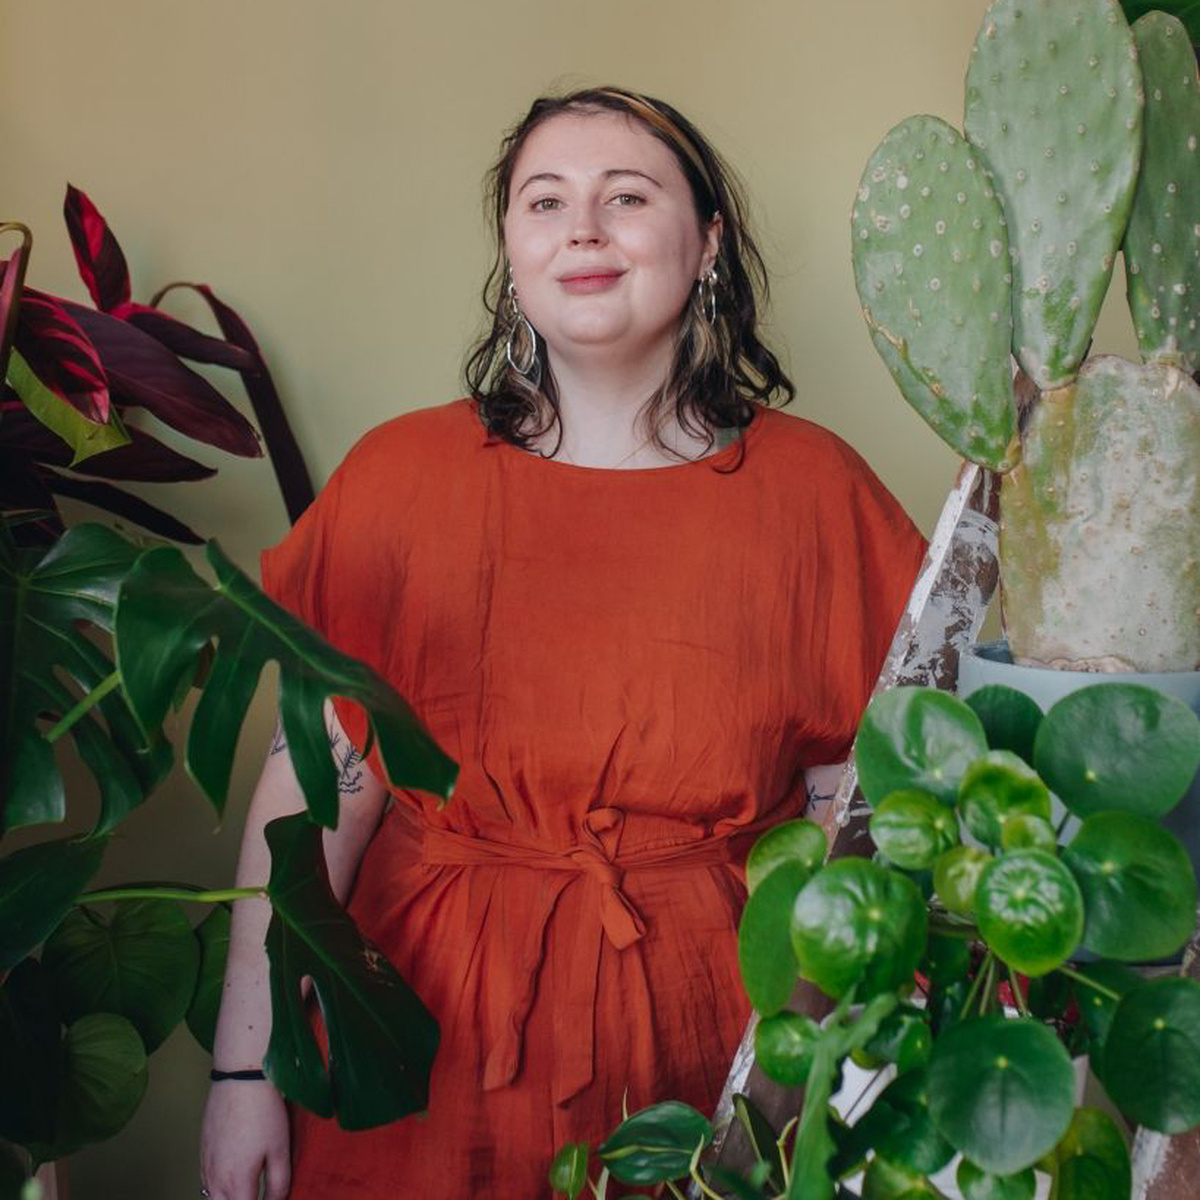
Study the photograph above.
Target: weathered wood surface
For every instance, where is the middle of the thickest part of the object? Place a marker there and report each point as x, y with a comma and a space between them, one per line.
944, 613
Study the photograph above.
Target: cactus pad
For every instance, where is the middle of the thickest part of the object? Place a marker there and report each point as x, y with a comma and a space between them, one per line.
1100, 524
931, 266
1054, 102
1162, 243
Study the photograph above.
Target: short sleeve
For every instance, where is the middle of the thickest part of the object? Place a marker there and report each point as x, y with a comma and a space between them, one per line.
870, 555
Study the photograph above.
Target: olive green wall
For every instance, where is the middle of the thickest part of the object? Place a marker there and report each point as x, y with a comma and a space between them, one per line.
319, 164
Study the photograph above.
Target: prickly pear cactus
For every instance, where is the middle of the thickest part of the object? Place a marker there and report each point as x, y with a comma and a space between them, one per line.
1162, 243
1099, 541
1054, 101
931, 266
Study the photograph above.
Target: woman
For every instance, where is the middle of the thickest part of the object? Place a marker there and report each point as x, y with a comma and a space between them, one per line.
636, 605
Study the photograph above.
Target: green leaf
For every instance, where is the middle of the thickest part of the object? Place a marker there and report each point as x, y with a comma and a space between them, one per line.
794, 841
899, 1128
1093, 1160
141, 964
784, 1046
768, 965
1029, 910
762, 1138
102, 1083
913, 828
1151, 1058
1118, 746
946, 959
1095, 1008
46, 601
568, 1171
1138, 886
381, 1037
29, 1067
903, 1038
1002, 1092
167, 615
212, 936
813, 1147
946, 1005
976, 1184
1024, 831
858, 925
83, 436
956, 877
1010, 718
37, 887
655, 1144
916, 738
885, 1181
1187, 11
996, 788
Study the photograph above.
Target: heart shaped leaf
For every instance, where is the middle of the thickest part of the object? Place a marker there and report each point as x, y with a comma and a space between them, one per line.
656, 1144
381, 1037
1002, 1092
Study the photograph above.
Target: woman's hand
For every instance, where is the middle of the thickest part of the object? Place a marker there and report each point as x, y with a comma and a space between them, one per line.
244, 1138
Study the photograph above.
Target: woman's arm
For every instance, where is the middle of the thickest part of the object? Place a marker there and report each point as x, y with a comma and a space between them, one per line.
245, 1123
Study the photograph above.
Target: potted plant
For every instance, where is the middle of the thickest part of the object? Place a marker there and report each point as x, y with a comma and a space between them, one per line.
1080, 141
949, 964
100, 638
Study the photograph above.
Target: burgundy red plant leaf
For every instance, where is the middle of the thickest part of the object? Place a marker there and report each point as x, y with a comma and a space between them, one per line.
97, 252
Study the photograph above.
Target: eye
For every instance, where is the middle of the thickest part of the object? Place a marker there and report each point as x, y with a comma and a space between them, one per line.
628, 199
545, 204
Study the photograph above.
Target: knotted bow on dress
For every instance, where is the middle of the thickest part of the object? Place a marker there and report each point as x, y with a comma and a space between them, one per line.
596, 863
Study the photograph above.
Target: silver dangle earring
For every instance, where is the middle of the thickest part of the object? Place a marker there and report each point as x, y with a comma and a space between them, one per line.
520, 348
707, 295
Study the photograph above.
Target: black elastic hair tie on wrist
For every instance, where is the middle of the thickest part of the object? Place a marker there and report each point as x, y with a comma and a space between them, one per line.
253, 1073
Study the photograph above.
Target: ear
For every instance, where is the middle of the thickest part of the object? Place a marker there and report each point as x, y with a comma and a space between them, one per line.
712, 242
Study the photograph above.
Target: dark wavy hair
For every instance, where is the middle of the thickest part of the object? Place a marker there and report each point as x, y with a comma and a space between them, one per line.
720, 371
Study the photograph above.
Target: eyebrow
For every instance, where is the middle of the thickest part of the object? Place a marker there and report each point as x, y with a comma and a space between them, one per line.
611, 173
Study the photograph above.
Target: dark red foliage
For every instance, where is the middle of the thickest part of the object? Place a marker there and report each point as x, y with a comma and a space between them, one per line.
101, 261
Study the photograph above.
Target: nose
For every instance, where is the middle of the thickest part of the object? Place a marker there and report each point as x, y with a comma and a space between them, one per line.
587, 229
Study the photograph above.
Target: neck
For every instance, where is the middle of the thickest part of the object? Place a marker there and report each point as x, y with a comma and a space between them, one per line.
599, 405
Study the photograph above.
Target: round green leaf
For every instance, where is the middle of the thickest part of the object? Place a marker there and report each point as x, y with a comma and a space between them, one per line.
1151, 1058
916, 739
884, 1181
142, 964
956, 876
1118, 746
1093, 1159
1024, 831
946, 959
568, 1171
857, 923
977, 1184
1010, 718
1029, 910
903, 1038
794, 841
1001, 1091
212, 934
1138, 885
913, 828
656, 1144
784, 1046
1095, 1007
103, 1080
769, 968
996, 787
901, 1129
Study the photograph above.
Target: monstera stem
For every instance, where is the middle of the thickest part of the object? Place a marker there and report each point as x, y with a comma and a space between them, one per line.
106, 685
219, 896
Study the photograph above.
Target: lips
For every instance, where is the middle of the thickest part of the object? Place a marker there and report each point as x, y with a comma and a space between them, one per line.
590, 281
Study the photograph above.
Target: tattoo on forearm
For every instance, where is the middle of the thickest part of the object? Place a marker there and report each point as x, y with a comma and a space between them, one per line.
347, 757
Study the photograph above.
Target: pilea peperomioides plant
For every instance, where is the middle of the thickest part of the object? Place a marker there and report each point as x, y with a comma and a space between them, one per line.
1082, 139
968, 962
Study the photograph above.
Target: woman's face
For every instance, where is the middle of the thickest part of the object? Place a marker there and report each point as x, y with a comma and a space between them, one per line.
602, 235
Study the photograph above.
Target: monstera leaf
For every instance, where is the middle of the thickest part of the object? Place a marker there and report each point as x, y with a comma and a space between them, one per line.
167, 615
381, 1037
45, 602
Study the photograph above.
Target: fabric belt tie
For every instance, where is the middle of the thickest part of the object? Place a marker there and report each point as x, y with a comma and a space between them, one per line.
595, 860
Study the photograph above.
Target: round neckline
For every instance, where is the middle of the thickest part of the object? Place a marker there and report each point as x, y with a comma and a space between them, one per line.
718, 458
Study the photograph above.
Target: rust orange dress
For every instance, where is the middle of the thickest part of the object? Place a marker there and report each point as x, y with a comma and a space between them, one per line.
633, 668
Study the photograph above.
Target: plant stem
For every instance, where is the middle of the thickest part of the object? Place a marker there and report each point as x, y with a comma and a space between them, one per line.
675, 1191
169, 893
1018, 997
781, 1146
954, 929
704, 1188
985, 998
1079, 978
88, 702
976, 982
600, 1187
